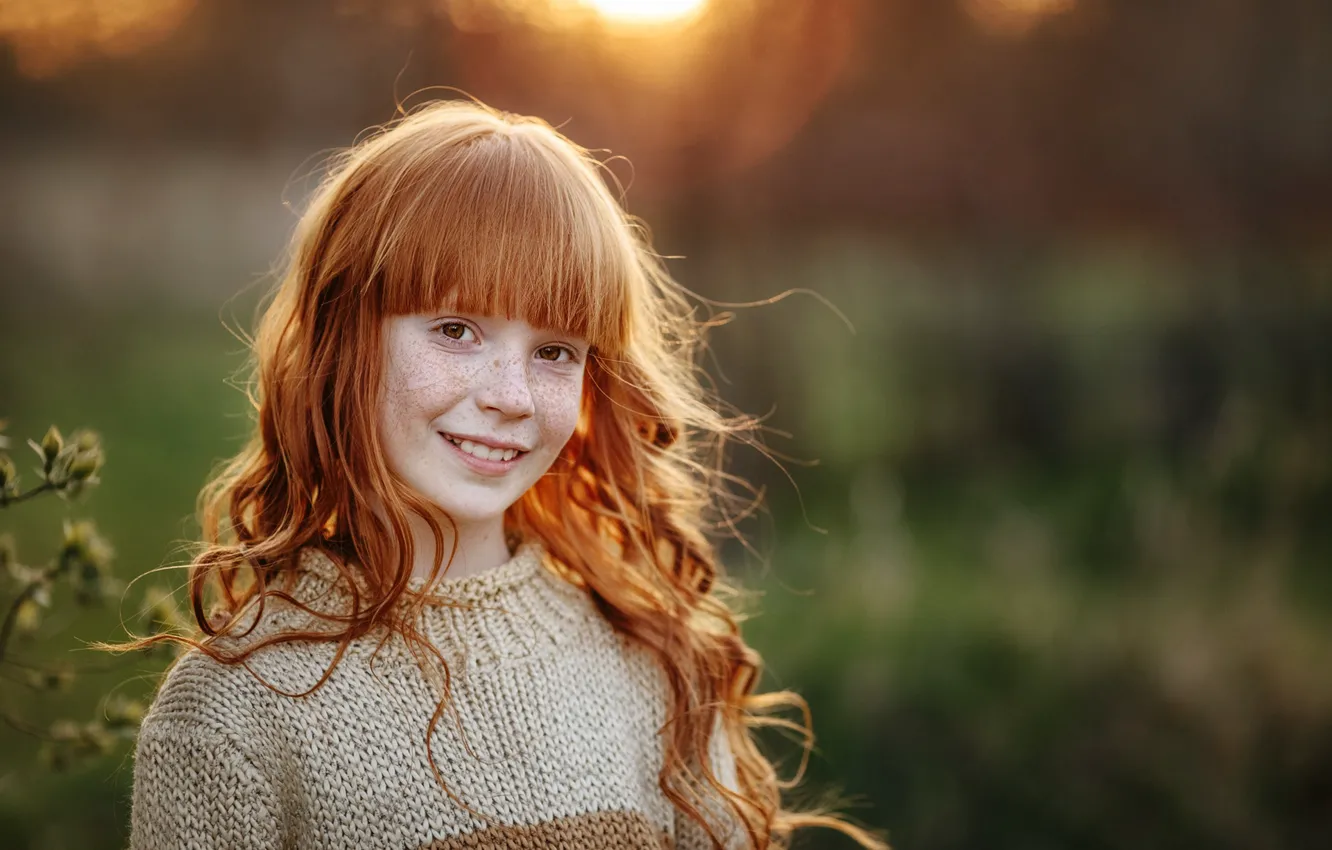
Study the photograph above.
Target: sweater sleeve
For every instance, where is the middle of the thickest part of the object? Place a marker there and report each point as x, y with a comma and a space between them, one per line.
689, 834
196, 789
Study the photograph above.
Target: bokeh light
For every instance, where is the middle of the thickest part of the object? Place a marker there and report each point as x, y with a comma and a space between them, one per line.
645, 11
48, 35
1014, 17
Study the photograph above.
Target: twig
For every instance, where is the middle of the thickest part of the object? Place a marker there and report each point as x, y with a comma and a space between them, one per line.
6, 501
24, 595
25, 728
76, 669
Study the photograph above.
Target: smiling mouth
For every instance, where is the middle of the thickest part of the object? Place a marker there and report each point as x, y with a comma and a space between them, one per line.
484, 452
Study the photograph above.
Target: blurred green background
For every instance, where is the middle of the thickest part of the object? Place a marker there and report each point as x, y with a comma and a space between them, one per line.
1060, 575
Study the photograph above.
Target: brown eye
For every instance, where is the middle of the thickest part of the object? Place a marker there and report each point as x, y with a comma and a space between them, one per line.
557, 349
453, 330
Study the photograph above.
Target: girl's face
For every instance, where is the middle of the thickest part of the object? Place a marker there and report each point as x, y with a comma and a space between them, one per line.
476, 408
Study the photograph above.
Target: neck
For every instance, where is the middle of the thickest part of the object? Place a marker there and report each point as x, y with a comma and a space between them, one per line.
481, 548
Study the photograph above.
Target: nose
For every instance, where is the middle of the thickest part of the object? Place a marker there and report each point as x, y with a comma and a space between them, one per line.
506, 387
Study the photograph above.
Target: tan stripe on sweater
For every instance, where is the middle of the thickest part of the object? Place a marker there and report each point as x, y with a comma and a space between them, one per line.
595, 831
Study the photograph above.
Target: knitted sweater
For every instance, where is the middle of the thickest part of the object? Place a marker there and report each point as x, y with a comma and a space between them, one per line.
560, 714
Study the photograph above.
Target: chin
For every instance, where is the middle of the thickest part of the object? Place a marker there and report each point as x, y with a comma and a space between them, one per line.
472, 513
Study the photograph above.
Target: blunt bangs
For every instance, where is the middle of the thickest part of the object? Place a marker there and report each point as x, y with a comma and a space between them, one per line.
511, 221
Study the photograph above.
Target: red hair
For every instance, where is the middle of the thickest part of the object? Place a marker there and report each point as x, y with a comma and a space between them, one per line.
503, 215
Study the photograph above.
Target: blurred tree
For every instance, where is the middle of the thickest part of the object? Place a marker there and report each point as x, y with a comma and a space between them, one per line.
68, 468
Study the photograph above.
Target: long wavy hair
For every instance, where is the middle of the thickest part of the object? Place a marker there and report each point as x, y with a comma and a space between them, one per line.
504, 215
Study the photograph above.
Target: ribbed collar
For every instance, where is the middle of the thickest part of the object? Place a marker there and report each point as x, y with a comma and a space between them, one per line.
513, 611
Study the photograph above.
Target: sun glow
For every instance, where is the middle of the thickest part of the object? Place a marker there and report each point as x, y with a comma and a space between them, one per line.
645, 11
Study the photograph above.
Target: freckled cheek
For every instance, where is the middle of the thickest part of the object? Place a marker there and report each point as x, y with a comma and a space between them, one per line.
407, 401
394, 420
559, 406
425, 372
434, 382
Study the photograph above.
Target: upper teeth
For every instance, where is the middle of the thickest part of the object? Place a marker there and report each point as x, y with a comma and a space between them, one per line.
483, 452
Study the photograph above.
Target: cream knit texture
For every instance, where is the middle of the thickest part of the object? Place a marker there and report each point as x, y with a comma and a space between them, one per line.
560, 713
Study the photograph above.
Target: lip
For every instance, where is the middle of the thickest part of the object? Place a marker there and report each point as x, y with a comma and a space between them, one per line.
487, 443
484, 467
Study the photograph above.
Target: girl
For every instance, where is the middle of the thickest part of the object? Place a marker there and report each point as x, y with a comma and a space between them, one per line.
477, 493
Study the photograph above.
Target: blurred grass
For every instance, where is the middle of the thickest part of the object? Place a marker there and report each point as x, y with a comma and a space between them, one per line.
1073, 589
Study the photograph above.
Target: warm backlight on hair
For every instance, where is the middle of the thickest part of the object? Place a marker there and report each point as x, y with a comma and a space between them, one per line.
645, 11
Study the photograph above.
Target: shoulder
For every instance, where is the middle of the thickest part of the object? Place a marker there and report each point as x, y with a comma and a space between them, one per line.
200, 778
201, 696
